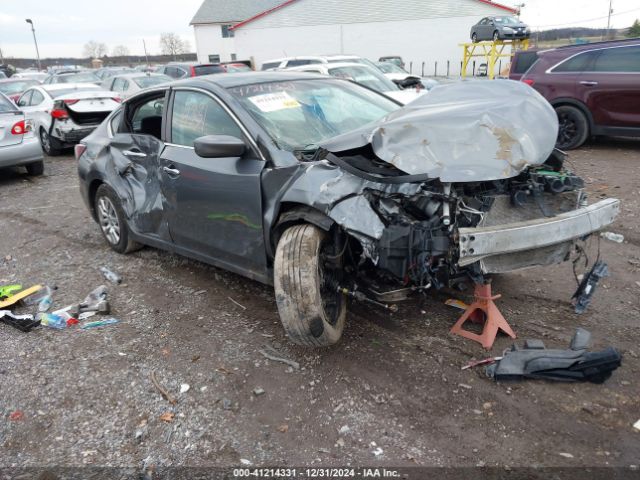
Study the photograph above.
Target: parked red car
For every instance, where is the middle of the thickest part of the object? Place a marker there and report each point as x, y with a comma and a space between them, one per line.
594, 88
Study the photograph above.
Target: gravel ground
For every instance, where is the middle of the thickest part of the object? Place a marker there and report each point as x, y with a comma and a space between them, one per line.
74, 398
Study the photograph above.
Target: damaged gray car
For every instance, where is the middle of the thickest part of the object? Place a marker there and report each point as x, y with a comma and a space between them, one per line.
329, 191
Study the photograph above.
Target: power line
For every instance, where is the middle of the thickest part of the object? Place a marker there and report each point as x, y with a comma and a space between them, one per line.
588, 20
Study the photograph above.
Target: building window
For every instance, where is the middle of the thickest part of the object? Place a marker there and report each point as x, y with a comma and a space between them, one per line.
214, 58
234, 57
227, 32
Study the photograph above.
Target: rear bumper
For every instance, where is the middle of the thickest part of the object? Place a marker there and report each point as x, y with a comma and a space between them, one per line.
482, 242
71, 133
24, 153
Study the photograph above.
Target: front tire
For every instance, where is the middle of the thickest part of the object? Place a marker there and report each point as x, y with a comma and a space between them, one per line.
112, 221
474, 38
496, 36
50, 145
35, 169
573, 127
311, 310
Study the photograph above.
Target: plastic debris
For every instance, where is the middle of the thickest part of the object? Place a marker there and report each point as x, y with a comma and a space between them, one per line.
8, 290
110, 275
22, 295
587, 287
565, 455
258, 391
51, 320
24, 323
184, 388
167, 417
614, 237
96, 301
637, 425
244, 461
100, 323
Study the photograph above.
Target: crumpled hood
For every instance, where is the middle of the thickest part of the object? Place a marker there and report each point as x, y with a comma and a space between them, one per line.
462, 132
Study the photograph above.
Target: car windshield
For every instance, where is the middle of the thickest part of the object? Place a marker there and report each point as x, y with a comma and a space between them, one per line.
388, 67
150, 81
303, 113
207, 69
364, 76
66, 91
11, 88
238, 68
6, 105
506, 20
78, 78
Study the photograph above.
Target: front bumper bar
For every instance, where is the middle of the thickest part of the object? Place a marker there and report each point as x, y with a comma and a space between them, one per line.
481, 242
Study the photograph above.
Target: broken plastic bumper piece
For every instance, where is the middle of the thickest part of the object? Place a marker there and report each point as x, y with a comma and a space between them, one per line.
480, 242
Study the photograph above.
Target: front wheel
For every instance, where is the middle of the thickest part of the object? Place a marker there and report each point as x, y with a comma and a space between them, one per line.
311, 309
474, 38
573, 127
35, 169
496, 36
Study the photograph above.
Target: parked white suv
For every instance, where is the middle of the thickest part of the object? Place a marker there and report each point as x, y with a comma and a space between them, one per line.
288, 62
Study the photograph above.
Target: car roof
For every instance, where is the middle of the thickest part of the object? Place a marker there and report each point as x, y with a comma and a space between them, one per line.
139, 75
64, 86
230, 80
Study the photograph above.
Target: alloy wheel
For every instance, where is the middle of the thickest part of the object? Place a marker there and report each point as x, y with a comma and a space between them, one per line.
108, 219
45, 141
568, 129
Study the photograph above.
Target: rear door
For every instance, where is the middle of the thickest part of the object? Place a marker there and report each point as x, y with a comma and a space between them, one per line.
10, 117
611, 87
214, 205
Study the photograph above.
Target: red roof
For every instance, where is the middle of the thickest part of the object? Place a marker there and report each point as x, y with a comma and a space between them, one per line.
289, 2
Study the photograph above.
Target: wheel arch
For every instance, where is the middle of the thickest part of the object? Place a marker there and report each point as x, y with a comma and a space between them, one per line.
572, 102
91, 195
294, 214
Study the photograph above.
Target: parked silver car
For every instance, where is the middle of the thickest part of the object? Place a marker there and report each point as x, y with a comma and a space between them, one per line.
72, 77
127, 84
499, 28
19, 145
64, 114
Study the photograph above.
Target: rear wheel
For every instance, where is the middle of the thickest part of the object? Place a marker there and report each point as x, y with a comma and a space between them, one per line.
573, 127
112, 221
306, 285
35, 169
50, 145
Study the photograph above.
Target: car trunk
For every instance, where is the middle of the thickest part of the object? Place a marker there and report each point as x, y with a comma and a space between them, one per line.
7, 122
89, 108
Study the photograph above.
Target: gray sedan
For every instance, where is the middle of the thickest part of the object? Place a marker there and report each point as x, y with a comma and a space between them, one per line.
19, 146
127, 84
499, 28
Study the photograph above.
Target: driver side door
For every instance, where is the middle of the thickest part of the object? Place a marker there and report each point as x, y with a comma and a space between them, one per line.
213, 205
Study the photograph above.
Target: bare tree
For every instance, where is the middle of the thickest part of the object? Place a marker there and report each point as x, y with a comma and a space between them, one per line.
120, 51
172, 44
93, 49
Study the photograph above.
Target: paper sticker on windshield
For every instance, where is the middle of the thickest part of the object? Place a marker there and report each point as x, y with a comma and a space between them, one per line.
272, 102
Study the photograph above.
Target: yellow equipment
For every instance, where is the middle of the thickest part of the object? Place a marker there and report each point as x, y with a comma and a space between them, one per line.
491, 51
19, 296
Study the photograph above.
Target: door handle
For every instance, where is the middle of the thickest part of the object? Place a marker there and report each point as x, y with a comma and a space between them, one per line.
171, 171
588, 83
134, 153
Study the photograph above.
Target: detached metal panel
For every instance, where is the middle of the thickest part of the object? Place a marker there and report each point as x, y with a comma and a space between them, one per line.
331, 12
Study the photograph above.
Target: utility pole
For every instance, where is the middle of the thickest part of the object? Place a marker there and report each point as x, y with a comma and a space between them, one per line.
1, 58
609, 19
33, 30
145, 52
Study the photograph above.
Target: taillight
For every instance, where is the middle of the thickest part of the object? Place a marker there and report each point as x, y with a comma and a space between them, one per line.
59, 110
116, 99
529, 82
193, 71
19, 128
78, 150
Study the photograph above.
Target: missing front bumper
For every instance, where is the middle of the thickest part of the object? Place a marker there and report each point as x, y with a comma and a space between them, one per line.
533, 236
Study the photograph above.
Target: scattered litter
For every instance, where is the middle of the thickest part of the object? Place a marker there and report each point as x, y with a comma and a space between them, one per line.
258, 391
224, 370
226, 404
162, 391
565, 454
110, 275
340, 442
184, 388
203, 389
637, 425
452, 302
24, 323
51, 320
465, 386
63, 310
344, 430
484, 361
614, 237
22, 295
96, 301
16, 416
576, 364
377, 452
200, 292
8, 290
244, 461
587, 287
167, 417
46, 300
276, 358
100, 323
284, 428
85, 315
238, 304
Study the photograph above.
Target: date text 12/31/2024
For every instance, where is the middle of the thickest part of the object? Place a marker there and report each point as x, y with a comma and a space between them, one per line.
294, 473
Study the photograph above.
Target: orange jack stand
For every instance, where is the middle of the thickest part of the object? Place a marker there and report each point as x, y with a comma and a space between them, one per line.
484, 309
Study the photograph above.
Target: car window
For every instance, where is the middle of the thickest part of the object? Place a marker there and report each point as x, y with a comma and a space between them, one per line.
621, 59
207, 69
483, 21
114, 123
125, 85
24, 100
195, 115
298, 63
36, 98
6, 105
11, 88
116, 86
523, 61
268, 65
364, 76
78, 78
147, 118
578, 63
144, 82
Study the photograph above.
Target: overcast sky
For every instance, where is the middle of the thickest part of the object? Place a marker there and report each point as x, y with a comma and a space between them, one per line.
64, 26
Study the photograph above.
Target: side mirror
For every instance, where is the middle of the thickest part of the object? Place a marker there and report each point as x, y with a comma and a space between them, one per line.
218, 146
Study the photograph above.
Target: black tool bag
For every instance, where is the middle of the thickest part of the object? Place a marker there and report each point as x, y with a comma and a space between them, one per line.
572, 365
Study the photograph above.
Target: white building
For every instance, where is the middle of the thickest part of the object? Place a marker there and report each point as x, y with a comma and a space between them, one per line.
422, 32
